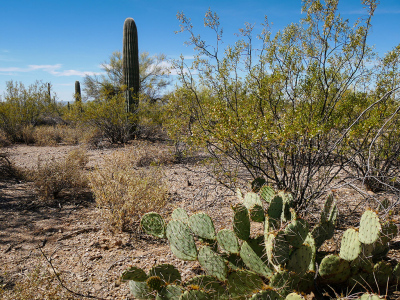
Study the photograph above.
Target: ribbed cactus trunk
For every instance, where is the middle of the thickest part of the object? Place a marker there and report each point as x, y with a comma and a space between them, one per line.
49, 92
78, 96
130, 65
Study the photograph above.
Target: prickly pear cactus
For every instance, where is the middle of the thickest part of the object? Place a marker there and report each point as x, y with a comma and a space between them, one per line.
296, 232
180, 214
241, 222
267, 294
212, 263
228, 241
167, 273
350, 248
333, 269
202, 226
267, 193
181, 240
369, 227
239, 263
278, 249
294, 296
152, 223
253, 261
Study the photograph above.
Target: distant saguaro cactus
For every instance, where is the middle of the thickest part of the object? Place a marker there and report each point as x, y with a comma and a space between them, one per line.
77, 91
49, 92
130, 65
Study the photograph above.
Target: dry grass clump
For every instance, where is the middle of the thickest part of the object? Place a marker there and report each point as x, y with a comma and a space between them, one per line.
124, 192
8, 168
148, 154
52, 135
53, 176
4, 141
38, 284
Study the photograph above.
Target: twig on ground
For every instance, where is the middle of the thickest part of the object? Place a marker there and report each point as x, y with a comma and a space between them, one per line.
62, 283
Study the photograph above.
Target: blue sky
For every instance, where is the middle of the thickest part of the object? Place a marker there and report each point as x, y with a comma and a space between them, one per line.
60, 41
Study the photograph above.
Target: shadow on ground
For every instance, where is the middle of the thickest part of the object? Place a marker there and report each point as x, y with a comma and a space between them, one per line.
26, 219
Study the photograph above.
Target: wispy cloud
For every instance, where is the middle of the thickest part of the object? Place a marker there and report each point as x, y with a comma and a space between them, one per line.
378, 11
174, 71
52, 69
388, 11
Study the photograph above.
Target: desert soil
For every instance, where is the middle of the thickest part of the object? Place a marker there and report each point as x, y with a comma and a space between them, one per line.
90, 258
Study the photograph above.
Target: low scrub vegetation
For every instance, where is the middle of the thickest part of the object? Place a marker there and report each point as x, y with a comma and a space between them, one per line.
124, 192
37, 284
52, 177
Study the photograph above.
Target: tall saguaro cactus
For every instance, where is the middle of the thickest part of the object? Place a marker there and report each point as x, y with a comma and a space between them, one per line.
49, 92
78, 96
130, 65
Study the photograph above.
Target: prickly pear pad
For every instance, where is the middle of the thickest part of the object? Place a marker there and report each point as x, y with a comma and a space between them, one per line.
369, 227
329, 213
208, 284
241, 222
140, 290
367, 296
202, 226
333, 269
134, 273
168, 273
296, 232
269, 294
170, 292
294, 296
253, 261
251, 199
152, 223
381, 274
194, 294
277, 248
228, 241
267, 193
181, 240
212, 263
180, 214
350, 247
323, 231
275, 211
255, 207
300, 260
242, 283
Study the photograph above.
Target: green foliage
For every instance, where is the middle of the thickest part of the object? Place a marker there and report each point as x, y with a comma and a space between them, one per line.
271, 266
24, 106
108, 114
292, 108
106, 109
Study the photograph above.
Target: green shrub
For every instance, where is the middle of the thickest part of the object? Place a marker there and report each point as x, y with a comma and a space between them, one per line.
293, 109
25, 107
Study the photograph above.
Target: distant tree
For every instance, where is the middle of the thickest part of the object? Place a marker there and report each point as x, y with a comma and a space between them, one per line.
153, 70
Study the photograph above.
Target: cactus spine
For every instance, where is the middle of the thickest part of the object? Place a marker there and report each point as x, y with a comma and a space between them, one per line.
78, 96
130, 65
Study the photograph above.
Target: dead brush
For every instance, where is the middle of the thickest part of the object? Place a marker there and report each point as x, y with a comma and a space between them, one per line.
124, 193
36, 284
51, 177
